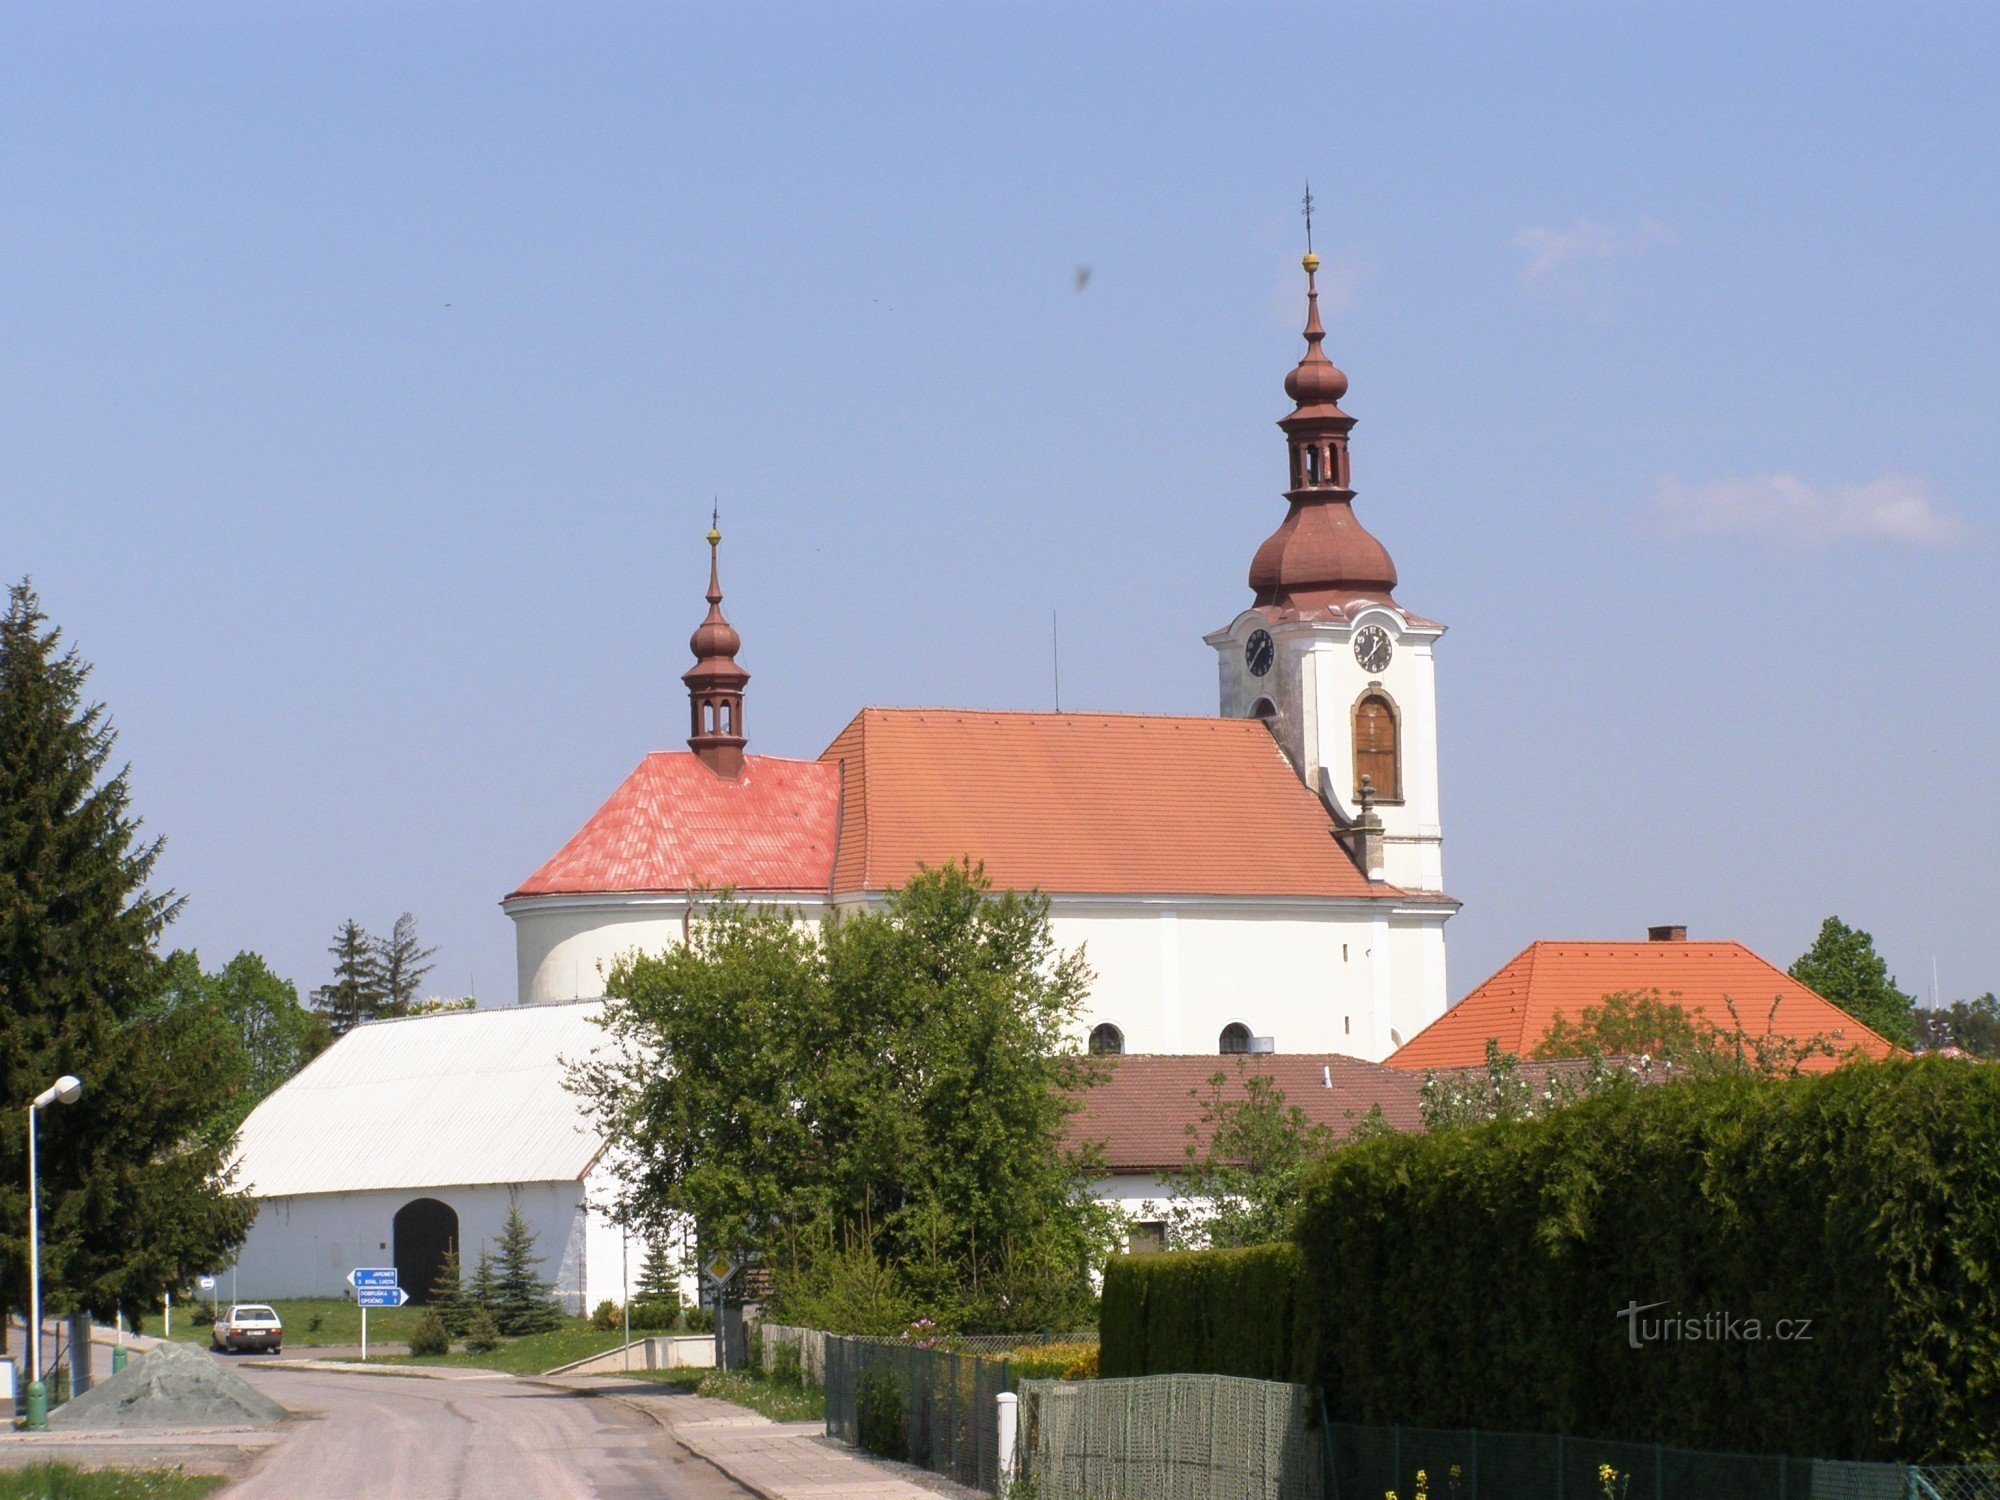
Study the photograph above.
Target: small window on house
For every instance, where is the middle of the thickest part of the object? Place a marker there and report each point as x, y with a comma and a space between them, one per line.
1107, 1040
1146, 1237
1375, 749
1235, 1039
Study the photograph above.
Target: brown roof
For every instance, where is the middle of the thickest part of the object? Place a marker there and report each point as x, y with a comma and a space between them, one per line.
1517, 1005
1112, 803
1141, 1112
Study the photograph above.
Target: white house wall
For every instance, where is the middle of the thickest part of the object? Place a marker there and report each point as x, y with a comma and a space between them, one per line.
564, 946
305, 1246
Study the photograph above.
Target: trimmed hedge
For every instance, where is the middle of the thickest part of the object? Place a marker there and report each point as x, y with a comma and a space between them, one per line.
1221, 1312
1476, 1278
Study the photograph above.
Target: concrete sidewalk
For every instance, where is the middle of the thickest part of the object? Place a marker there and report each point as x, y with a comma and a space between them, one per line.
774, 1460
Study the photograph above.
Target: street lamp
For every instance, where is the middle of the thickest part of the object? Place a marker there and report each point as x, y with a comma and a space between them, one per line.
65, 1090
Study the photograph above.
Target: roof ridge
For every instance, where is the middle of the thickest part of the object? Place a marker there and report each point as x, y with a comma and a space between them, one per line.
886, 710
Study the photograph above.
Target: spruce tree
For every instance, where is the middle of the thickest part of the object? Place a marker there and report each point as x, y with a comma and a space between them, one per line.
521, 1298
484, 1292
400, 966
448, 1297
356, 992
135, 1196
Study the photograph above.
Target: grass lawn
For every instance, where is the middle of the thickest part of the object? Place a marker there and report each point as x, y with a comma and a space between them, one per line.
339, 1322
63, 1482
780, 1400
531, 1355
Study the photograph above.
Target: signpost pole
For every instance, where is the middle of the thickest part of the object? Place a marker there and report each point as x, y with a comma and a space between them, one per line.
364, 1333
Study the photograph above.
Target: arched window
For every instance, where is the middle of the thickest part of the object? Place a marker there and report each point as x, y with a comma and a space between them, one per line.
1264, 710
1312, 466
1107, 1040
423, 1230
728, 719
1376, 754
1235, 1039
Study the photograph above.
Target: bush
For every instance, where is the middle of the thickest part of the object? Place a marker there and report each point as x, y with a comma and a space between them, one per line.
652, 1317
785, 1364
1217, 1312
204, 1315
607, 1316
1482, 1277
1074, 1360
878, 1413
701, 1320
482, 1332
428, 1335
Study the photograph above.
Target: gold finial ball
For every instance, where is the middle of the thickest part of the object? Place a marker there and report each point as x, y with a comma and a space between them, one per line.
714, 536
1311, 262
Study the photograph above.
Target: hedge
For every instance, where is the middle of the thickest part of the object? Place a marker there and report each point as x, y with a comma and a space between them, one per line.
1475, 1278
1223, 1312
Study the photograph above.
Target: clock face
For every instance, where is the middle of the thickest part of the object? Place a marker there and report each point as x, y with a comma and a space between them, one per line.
1372, 648
1257, 652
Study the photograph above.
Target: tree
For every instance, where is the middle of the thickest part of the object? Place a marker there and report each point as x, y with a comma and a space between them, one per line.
484, 1292
356, 994
274, 1034
894, 1084
521, 1302
1240, 1185
136, 1191
1972, 1026
1843, 966
400, 966
448, 1298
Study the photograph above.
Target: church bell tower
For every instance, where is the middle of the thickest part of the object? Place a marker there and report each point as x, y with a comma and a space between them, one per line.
1342, 673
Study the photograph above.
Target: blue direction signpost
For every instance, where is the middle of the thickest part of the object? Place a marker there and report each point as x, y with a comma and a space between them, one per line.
374, 1286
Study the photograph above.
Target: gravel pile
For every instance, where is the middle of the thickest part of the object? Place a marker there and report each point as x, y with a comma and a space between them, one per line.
170, 1386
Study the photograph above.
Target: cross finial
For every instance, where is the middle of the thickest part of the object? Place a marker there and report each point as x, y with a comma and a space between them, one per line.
715, 523
1308, 212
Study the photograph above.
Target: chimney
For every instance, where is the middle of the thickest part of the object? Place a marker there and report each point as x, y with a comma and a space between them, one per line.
1674, 934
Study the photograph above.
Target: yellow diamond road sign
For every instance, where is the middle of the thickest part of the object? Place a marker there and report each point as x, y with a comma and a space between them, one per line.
720, 1268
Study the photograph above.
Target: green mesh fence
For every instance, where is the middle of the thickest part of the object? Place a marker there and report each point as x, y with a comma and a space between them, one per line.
1168, 1437
930, 1407
1368, 1463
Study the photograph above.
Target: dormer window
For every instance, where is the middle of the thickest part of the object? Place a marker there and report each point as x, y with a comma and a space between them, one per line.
1107, 1040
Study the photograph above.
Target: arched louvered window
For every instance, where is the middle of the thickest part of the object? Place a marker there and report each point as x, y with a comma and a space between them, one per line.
1376, 752
1107, 1040
1235, 1039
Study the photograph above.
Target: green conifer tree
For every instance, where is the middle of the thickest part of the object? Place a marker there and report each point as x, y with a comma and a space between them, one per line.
521, 1298
356, 994
484, 1292
448, 1297
135, 1189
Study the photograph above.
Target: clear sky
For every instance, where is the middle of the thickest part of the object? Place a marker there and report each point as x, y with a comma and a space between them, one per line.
366, 373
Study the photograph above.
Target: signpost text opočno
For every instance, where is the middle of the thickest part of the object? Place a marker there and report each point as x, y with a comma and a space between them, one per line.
374, 1286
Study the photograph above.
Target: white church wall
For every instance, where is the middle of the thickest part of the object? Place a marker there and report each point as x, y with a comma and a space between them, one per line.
565, 945
1171, 974
304, 1246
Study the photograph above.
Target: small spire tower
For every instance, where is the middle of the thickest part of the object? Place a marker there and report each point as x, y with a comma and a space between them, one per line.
715, 682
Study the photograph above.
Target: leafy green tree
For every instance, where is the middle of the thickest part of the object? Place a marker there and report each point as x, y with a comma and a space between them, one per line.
893, 1085
521, 1302
1240, 1182
1843, 966
448, 1297
136, 1193
400, 966
356, 994
1972, 1026
274, 1034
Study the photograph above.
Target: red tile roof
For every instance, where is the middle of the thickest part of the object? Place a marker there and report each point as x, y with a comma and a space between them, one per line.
1517, 1005
1083, 803
675, 825
1141, 1112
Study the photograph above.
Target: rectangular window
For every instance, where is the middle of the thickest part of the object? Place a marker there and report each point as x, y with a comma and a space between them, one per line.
1147, 1237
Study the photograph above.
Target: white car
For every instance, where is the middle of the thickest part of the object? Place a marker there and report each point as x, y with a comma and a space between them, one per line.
250, 1325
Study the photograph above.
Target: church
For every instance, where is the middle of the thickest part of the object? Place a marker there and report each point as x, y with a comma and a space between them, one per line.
1268, 880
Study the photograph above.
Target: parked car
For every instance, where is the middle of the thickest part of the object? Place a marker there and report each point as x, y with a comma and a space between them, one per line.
250, 1325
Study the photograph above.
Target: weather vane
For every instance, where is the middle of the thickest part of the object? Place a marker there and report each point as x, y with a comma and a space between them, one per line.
1308, 211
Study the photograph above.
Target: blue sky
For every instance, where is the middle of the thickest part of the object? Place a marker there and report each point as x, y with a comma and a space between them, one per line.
366, 373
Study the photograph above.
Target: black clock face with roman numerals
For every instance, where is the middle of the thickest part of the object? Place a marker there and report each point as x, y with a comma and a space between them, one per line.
1257, 652
1372, 648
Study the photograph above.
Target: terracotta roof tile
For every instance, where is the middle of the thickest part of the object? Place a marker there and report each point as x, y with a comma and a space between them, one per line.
1518, 1004
1083, 803
1141, 1112
675, 825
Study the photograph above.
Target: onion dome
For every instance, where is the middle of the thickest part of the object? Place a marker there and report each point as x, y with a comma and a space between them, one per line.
715, 682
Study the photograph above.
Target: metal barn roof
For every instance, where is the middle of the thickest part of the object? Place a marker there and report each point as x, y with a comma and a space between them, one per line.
448, 1100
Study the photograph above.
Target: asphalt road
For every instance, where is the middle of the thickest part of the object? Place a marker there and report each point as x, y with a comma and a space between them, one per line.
387, 1437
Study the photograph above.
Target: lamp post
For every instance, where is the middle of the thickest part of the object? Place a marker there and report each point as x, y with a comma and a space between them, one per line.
65, 1090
